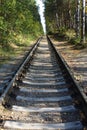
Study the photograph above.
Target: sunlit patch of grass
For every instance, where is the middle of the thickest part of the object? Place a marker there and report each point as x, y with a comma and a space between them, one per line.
78, 42
23, 40
70, 33
16, 46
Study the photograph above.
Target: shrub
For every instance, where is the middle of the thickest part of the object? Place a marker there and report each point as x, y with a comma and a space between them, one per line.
75, 40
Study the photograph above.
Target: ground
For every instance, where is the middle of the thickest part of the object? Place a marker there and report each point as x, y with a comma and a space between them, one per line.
8, 65
7, 70
76, 60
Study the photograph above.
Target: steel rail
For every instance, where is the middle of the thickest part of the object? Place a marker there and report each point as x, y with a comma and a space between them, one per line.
10, 85
44, 98
76, 88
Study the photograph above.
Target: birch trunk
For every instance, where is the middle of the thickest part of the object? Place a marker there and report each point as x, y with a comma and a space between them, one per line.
83, 21
78, 18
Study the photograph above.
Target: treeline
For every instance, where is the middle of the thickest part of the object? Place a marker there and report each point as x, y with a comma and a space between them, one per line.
18, 17
62, 15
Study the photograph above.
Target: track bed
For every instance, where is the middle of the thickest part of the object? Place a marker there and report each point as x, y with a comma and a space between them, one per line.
43, 99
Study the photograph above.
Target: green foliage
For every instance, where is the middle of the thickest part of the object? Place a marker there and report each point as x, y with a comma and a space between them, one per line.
61, 31
70, 34
18, 17
75, 40
60, 14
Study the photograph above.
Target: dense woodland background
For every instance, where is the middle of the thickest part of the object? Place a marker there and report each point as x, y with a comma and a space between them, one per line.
67, 18
20, 21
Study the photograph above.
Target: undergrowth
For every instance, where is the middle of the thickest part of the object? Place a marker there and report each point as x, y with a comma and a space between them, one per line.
15, 45
70, 36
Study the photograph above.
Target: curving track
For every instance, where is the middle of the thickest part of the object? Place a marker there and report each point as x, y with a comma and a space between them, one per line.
43, 99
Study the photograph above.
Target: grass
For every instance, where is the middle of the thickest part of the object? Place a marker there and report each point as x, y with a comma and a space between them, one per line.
16, 46
70, 33
70, 36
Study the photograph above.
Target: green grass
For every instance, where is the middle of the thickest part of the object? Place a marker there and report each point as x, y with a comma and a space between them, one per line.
70, 33
16, 46
70, 36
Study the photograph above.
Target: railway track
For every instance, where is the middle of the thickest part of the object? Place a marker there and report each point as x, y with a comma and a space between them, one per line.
43, 95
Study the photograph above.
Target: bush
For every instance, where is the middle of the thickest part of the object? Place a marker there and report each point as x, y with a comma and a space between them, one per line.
75, 40
61, 31
70, 34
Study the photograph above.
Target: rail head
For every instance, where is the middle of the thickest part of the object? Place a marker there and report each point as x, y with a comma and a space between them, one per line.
10, 85
76, 87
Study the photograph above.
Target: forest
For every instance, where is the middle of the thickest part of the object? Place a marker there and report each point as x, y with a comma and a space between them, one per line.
19, 20
67, 18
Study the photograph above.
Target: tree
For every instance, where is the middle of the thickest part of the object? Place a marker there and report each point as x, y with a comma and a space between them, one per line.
78, 18
66, 14
83, 21
62, 14
18, 16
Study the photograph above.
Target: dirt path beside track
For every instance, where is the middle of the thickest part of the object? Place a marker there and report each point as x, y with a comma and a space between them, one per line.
76, 60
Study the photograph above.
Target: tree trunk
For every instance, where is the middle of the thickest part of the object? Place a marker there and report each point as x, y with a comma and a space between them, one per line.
83, 21
57, 17
57, 20
69, 14
78, 19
